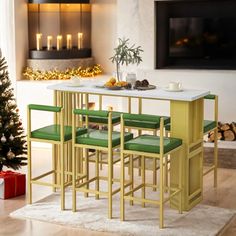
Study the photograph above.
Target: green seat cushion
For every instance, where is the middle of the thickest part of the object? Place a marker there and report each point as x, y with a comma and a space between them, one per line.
52, 132
148, 124
100, 138
210, 96
151, 144
209, 125
104, 120
167, 127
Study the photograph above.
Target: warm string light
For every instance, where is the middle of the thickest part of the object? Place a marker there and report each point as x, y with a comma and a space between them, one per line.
31, 74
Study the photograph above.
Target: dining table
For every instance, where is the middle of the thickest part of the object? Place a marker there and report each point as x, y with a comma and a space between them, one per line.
186, 114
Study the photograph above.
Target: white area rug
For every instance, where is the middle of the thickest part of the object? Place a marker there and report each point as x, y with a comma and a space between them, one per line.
92, 214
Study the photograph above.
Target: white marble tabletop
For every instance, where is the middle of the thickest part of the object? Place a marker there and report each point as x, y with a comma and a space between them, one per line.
158, 93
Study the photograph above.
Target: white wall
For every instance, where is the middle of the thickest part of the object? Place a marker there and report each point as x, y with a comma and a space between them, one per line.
21, 35
7, 36
104, 18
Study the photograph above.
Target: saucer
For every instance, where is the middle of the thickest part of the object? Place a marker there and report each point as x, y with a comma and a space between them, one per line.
173, 90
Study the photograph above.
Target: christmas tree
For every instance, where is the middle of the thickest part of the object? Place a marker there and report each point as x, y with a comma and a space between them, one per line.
13, 148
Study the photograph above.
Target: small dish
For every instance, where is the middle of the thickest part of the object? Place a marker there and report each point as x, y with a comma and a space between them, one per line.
149, 87
114, 87
173, 90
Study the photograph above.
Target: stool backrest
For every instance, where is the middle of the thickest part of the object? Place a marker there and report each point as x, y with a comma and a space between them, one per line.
215, 99
39, 107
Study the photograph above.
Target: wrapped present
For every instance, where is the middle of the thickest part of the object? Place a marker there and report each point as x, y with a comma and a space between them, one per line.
12, 184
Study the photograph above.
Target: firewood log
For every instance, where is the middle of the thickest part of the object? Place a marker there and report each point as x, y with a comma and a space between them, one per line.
229, 135
233, 127
225, 127
211, 136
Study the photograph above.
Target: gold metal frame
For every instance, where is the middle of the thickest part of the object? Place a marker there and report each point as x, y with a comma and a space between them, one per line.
55, 170
214, 166
82, 184
130, 194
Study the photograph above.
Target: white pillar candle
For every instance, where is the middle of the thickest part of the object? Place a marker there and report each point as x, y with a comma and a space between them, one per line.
49, 42
59, 42
69, 41
80, 40
39, 41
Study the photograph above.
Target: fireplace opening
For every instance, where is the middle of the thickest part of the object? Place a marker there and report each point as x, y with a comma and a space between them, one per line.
196, 34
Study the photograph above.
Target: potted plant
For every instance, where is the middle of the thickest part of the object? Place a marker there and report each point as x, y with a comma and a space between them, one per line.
125, 55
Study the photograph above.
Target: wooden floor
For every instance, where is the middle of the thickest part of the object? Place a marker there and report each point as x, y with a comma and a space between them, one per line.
224, 196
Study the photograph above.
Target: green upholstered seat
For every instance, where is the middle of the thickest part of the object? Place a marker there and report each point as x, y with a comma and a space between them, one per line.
167, 127
52, 132
104, 120
144, 121
209, 125
210, 96
100, 138
151, 144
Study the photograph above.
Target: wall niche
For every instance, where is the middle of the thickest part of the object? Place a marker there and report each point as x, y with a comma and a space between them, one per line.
59, 30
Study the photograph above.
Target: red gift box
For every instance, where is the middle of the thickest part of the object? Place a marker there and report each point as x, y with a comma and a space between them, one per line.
12, 184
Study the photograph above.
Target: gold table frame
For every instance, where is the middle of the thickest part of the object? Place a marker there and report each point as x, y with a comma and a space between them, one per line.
186, 123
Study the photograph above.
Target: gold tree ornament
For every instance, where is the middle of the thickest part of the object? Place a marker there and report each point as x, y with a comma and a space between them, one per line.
3, 138
10, 154
11, 138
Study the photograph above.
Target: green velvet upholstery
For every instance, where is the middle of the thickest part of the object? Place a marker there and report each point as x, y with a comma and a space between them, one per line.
91, 112
52, 132
151, 144
209, 125
100, 138
44, 108
104, 120
167, 127
144, 121
210, 96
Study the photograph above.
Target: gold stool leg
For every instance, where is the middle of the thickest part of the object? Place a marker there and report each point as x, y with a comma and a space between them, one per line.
154, 169
62, 177
131, 177
154, 175
74, 173
215, 157
110, 174
143, 178
122, 180
180, 182
86, 170
29, 172
161, 212
54, 175
97, 173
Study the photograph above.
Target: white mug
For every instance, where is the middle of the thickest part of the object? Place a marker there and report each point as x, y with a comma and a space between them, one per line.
175, 85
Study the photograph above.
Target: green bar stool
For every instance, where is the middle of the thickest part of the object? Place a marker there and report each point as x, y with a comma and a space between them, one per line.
145, 122
56, 134
100, 140
209, 125
150, 146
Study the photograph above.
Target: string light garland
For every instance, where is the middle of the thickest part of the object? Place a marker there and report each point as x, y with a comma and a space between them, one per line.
31, 74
